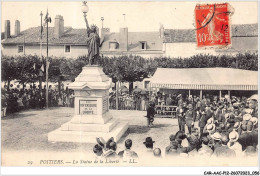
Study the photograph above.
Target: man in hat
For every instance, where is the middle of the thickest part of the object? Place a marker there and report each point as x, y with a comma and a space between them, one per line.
150, 114
180, 100
128, 153
233, 144
215, 140
180, 115
110, 151
250, 151
244, 138
190, 117
171, 150
149, 144
224, 151
205, 150
203, 121
157, 153
97, 149
219, 114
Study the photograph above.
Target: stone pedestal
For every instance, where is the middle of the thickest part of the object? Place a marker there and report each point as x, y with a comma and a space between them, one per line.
91, 117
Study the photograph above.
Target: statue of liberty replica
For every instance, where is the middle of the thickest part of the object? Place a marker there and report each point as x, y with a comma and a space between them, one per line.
93, 42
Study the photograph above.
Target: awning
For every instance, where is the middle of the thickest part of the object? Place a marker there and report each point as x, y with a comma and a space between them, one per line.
205, 79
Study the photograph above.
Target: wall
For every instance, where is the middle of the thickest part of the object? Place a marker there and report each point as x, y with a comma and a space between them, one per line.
184, 50
238, 44
144, 55
57, 51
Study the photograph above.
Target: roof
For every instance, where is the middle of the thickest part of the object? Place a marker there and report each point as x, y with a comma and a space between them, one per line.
153, 42
205, 79
189, 35
79, 37
32, 36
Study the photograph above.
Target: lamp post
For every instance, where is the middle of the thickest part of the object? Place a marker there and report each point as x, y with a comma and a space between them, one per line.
84, 8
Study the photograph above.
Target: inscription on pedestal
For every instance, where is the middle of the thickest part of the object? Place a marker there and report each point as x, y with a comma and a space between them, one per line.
88, 107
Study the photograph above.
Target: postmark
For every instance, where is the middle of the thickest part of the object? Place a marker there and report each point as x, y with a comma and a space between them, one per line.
212, 25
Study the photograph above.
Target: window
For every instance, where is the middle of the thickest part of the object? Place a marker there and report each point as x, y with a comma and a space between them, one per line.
113, 45
20, 49
67, 48
143, 45
146, 84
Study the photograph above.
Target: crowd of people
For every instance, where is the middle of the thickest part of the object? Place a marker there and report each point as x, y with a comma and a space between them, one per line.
18, 99
129, 101
222, 127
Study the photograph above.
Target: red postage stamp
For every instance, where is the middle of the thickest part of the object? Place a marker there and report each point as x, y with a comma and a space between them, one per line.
212, 25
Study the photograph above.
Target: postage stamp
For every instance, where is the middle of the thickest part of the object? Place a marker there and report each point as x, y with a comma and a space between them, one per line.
212, 25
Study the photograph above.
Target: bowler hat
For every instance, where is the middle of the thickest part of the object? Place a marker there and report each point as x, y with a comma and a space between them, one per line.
128, 143
97, 148
112, 145
108, 142
149, 140
101, 141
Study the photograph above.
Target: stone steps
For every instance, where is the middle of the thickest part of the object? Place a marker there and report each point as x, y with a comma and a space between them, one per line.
87, 137
90, 127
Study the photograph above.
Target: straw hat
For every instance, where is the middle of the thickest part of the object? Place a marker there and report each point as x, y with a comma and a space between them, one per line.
248, 111
233, 136
237, 125
247, 117
254, 120
226, 116
210, 121
211, 128
216, 136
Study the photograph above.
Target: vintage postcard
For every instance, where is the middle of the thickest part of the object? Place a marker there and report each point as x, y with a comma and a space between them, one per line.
125, 83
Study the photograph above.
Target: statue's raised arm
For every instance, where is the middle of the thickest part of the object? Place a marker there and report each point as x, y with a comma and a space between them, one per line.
86, 21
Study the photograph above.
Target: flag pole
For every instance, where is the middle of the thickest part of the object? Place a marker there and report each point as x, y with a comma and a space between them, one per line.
40, 74
47, 65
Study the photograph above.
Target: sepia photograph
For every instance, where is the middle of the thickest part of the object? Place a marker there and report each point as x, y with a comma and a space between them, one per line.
129, 83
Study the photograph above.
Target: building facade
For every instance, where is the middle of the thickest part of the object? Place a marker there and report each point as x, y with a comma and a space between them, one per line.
71, 43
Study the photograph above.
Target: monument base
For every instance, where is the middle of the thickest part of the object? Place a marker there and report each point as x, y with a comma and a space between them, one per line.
87, 133
91, 116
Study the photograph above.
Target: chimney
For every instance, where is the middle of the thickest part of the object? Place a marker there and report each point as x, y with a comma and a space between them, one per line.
123, 39
17, 28
7, 29
58, 26
161, 31
104, 32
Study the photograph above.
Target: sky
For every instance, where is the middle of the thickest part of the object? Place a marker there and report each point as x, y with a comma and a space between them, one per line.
140, 16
